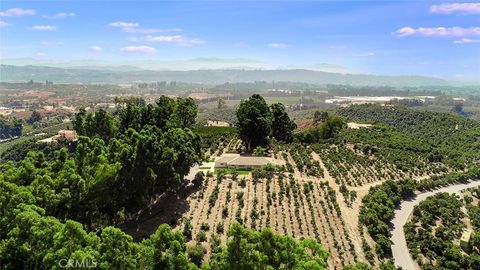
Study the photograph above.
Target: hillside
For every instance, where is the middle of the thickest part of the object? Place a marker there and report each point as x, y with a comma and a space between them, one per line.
146, 166
82, 75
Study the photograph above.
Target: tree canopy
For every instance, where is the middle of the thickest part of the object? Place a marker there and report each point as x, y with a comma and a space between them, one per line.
257, 122
254, 122
282, 125
9, 128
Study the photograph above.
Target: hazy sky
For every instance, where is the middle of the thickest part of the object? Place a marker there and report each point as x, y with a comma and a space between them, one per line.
434, 38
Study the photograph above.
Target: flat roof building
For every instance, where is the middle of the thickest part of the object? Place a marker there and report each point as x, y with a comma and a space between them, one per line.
242, 162
465, 239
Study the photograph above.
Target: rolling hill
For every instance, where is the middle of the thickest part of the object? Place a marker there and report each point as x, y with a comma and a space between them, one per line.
9, 73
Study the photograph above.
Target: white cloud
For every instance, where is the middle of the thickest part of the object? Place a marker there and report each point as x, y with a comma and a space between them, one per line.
124, 24
95, 48
40, 54
466, 40
133, 27
176, 39
366, 54
278, 45
4, 24
461, 8
44, 27
139, 49
61, 15
51, 43
137, 30
17, 12
438, 31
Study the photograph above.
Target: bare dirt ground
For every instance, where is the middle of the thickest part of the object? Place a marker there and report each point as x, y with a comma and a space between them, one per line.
280, 204
350, 214
303, 206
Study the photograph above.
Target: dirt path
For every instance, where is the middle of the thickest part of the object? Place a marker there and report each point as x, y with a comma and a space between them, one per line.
349, 214
401, 255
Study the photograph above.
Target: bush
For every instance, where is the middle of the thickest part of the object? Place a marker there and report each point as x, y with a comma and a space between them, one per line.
195, 254
201, 236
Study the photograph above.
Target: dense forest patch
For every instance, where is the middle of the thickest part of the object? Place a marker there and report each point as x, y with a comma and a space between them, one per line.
453, 140
433, 234
381, 201
9, 128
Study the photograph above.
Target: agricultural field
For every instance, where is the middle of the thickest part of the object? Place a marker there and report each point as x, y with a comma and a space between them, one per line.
444, 231
295, 204
324, 182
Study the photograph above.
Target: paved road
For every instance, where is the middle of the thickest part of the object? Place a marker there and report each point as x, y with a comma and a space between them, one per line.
400, 251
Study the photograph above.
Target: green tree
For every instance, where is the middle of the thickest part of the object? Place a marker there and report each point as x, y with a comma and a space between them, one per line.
195, 254
221, 103
319, 116
79, 122
117, 250
35, 117
260, 151
358, 266
185, 112
254, 122
163, 111
282, 125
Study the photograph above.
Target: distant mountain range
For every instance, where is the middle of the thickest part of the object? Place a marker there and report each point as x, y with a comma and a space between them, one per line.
132, 74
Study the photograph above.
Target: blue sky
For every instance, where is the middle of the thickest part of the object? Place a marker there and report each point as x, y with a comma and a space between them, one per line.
434, 38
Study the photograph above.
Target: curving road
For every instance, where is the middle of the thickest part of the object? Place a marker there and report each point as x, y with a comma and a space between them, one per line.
400, 251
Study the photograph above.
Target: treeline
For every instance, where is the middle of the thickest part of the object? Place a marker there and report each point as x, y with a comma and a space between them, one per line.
378, 210
119, 163
18, 152
30, 239
10, 128
452, 139
379, 204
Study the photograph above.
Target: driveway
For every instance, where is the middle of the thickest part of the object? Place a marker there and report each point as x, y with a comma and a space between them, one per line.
401, 255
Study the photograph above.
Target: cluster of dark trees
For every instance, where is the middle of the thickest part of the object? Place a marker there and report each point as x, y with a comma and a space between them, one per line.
35, 117
379, 204
378, 210
258, 123
119, 163
453, 139
435, 227
328, 129
9, 129
210, 136
30, 239
406, 152
18, 152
